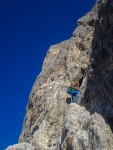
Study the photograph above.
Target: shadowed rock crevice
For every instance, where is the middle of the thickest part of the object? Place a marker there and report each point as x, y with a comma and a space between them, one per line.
99, 90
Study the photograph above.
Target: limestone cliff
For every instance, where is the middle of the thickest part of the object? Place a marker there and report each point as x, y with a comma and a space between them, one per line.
99, 93
51, 122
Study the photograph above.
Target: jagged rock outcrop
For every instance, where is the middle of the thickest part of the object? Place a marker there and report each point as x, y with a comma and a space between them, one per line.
51, 123
21, 146
83, 131
47, 102
99, 93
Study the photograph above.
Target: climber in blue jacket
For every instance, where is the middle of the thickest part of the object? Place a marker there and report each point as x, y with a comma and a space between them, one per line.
72, 90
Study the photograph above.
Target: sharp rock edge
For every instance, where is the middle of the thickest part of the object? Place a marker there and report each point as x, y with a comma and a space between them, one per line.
51, 123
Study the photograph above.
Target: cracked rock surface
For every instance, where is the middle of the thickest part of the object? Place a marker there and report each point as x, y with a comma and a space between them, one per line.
83, 131
52, 122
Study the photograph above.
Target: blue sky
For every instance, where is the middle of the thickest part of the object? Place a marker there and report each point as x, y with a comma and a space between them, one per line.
27, 29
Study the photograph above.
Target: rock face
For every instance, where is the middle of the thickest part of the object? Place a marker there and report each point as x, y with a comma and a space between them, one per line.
100, 72
83, 131
21, 146
51, 122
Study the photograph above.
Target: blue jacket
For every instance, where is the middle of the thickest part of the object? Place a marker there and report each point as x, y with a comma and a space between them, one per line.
72, 91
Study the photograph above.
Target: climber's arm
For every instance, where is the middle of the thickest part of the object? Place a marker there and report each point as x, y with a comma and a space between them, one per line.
68, 90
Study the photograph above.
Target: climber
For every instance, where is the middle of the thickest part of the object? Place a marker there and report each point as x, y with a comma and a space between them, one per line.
73, 91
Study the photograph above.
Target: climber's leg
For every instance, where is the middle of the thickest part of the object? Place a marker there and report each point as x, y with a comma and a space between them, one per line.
73, 98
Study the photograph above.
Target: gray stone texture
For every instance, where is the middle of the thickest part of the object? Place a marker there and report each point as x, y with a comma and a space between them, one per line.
83, 131
98, 96
21, 146
51, 122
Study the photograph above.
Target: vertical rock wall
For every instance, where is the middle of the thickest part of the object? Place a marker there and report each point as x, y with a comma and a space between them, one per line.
99, 93
51, 122
48, 99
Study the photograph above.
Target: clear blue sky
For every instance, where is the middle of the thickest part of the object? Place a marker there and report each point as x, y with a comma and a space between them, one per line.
27, 29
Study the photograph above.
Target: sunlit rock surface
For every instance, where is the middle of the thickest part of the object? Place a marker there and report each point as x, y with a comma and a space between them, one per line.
21, 146
51, 122
83, 131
